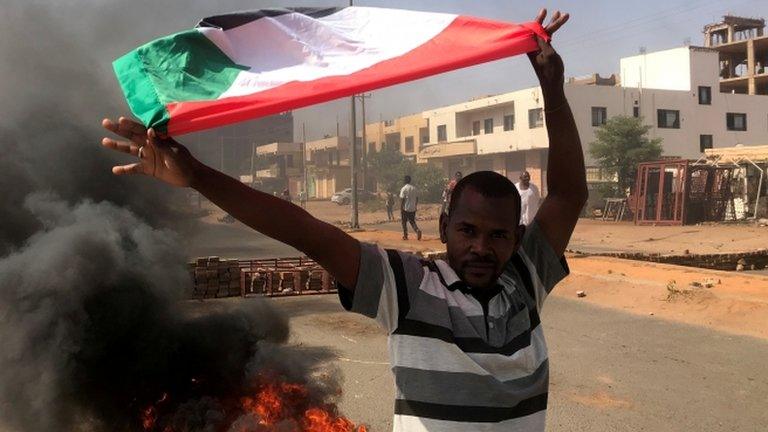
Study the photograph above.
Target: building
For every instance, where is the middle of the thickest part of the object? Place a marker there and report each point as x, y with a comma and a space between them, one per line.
328, 169
281, 165
743, 51
229, 148
675, 91
406, 134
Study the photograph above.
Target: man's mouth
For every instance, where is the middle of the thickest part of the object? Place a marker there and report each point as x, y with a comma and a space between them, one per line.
480, 266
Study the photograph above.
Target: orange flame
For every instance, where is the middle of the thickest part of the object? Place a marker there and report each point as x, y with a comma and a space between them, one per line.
278, 401
274, 402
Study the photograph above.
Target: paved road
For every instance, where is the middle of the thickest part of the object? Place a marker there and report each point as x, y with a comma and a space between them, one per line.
611, 371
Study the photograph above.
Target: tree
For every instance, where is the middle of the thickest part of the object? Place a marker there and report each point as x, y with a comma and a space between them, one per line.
389, 166
621, 144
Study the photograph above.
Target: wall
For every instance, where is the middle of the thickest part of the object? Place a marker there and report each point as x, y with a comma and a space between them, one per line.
667, 70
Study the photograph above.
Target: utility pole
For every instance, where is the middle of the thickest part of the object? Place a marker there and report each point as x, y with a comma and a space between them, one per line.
221, 148
253, 156
304, 159
363, 97
353, 160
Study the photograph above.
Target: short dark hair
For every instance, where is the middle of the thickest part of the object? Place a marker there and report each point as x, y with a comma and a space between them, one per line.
407, 179
489, 184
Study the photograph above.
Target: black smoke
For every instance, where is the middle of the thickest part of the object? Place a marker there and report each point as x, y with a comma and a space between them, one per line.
94, 325
95, 330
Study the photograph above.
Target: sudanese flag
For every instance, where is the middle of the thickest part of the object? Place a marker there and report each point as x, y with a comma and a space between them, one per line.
245, 65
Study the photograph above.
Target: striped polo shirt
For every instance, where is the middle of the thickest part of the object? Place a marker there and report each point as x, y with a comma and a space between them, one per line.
461, 364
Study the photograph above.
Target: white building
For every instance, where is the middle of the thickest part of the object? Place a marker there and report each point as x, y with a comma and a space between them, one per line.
676, 91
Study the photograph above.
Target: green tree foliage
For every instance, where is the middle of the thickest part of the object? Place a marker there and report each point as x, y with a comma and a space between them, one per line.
622, 142
389, 166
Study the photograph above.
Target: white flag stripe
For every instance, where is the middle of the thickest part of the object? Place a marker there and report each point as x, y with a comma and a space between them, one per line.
342, 43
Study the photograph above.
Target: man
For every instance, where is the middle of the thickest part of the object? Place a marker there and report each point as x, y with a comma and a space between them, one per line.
390, 205
465, 340
529, 198
409, 200
449, 190
287, 195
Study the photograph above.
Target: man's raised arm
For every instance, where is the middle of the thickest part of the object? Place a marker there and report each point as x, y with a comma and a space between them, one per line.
172, 163
566, 176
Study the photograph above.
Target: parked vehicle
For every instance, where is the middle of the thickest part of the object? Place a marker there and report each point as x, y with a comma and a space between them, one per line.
345, 197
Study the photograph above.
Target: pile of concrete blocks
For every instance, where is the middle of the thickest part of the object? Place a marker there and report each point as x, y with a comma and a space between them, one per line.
215, 277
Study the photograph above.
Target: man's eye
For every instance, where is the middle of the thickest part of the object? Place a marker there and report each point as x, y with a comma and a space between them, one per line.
466, 230
499, 235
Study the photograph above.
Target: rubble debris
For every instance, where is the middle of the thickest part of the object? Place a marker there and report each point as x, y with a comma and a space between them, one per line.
581, 294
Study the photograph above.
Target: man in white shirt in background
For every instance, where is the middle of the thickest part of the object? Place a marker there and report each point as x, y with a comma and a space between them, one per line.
529, 198
409, 199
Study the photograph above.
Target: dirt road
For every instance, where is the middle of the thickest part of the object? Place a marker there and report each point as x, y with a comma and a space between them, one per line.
611, 371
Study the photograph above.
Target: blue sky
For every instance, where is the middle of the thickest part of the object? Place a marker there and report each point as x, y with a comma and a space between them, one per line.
599, 33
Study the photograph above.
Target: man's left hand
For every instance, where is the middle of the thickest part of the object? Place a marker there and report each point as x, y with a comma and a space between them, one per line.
547, 62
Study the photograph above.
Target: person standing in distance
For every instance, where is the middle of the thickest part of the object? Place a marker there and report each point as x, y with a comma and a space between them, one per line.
409, 200
529, 198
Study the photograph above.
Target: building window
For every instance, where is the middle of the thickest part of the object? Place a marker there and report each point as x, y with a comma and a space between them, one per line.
476, 127
705, 142
442, 133
423, 135
535, 118
636, 111
509, 122
409, 144
705, 95
289, 161
736, 121
669, 119
488, 126
599, 116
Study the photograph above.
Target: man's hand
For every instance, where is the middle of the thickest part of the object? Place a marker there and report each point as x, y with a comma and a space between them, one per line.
162, 158
547, 62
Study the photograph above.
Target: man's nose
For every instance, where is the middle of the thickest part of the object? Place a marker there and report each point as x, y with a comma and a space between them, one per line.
481, 245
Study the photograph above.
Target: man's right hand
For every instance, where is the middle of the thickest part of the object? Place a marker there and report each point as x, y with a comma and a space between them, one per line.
159, 157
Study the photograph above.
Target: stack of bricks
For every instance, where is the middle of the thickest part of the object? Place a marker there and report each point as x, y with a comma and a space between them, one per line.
216, 277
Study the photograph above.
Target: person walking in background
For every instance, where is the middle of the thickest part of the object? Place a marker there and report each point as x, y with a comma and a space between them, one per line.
409, 200
286, 195
303, 199
390, 204
529, 198
449, 190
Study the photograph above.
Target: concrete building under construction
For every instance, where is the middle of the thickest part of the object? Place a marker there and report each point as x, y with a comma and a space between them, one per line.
743, 51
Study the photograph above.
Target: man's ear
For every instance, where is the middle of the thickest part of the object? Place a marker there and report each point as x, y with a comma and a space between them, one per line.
443, 227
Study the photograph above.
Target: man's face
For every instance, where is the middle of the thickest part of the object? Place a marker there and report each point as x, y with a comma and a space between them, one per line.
525, 179
481, 234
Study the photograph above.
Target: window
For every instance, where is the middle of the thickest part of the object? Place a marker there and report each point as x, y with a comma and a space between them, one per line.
476, 127
705, 142
636, 111
289, 161
535, 118
409, 144
442, 133
705, 95
488, 126
423, 135
669, 119
736, 121
509, 122
599, 116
